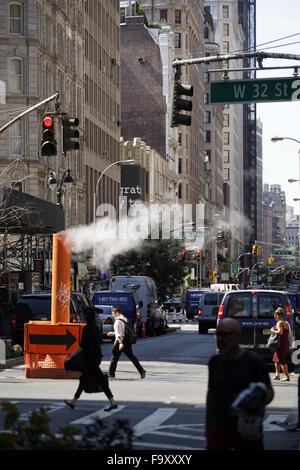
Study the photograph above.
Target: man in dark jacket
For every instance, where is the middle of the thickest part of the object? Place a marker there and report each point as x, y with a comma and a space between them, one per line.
231, 372
91, 345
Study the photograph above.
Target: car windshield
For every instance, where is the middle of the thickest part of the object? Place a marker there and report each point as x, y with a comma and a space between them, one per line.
40, 307
239, 305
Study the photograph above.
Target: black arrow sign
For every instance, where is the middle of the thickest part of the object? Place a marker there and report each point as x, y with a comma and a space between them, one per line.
58, 340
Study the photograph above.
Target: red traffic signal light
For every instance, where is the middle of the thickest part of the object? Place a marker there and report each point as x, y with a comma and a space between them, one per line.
48, 121
48, 144
198, 255
182, 254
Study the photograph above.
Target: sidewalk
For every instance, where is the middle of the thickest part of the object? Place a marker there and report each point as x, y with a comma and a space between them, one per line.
10, 363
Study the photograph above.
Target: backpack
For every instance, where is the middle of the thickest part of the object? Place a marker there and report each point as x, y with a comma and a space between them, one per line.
130, 334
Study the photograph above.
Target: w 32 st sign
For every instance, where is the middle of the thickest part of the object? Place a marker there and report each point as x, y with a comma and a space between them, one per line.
255, 91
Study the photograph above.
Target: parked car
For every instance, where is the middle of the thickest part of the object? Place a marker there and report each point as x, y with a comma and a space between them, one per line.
174, 310
105, 314
254, 310
208, 308
37, 306
294, 298
144, 287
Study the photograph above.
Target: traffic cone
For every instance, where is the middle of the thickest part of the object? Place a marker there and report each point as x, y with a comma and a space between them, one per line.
144, 331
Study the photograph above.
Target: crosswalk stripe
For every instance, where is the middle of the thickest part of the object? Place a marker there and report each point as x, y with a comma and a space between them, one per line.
153, 421
159, 445
101, 414
50, 409
173, 434
269, 427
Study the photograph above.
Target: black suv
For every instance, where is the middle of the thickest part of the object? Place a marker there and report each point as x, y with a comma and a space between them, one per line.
37, 306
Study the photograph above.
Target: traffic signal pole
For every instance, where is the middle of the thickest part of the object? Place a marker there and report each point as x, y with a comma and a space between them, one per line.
27, 111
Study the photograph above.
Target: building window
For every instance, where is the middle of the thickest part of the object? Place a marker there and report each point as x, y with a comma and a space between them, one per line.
206, 98
180, 138
226, 138
226, 174
16, 21
16, 75
225, 47
180, 191
226, 156
206, 77
122, 15
225, 29
207, 117
177, 40
225, 10
207, 136
178, 16
206, 33
225, 120
16, 139
179, 166
208, 155
164, 15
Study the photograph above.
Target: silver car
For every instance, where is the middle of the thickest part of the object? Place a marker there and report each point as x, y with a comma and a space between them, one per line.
104, 313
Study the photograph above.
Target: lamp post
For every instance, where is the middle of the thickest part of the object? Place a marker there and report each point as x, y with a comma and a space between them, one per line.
53, 184
119, 162
277, 139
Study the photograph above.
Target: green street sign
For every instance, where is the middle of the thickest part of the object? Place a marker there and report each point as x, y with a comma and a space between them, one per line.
234, 268
278, 252
254, 91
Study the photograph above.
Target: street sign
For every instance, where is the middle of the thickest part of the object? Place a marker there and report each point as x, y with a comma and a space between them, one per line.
254, 91
234, 268
286, 252
45, 338
224, 276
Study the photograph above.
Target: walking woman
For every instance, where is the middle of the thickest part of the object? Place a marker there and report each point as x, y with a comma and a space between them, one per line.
91, 345
279, 358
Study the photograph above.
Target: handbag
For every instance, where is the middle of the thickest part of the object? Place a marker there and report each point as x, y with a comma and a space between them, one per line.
273, 341
91, 385
76, 361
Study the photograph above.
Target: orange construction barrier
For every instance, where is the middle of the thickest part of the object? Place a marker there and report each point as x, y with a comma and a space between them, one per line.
47, 344
144, 331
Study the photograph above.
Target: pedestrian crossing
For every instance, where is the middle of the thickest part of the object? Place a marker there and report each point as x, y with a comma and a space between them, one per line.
154, 427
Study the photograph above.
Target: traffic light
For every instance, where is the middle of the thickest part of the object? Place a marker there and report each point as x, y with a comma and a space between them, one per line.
48, 144
282, 270
249, 271
178, 104
69, 133
182, 255
198, 255
271, 260
254, 249
258, 250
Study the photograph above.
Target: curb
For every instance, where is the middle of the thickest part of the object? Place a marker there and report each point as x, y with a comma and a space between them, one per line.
16, 361
171, 329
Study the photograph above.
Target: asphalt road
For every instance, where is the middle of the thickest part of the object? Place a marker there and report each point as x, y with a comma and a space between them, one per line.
166, 410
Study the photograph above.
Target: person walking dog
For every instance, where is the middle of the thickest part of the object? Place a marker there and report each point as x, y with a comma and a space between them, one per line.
122, 344
91, 347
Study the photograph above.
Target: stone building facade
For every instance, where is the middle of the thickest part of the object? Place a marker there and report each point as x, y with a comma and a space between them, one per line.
41, 52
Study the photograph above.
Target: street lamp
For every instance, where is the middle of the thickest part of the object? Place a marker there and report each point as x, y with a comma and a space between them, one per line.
291, 180
120, 162
53, 184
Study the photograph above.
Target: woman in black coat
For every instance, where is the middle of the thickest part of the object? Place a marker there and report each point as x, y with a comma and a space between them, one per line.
91, 345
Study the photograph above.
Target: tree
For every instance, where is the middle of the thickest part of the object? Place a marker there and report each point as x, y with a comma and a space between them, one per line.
159, 259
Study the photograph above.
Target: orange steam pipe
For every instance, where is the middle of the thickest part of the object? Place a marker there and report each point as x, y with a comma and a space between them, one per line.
61, 279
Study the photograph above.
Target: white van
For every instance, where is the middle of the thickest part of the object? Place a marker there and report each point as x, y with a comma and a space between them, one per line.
145, 288
224, 287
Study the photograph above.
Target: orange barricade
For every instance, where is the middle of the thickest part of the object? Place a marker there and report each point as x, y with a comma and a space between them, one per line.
46, 347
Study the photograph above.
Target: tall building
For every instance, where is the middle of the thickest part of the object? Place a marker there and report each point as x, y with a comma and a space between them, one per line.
41, 52
259, 180
186, 19
213, 129
274, 208
230, 36
102, 101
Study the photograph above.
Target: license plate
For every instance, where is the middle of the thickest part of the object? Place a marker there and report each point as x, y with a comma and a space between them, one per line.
267, 332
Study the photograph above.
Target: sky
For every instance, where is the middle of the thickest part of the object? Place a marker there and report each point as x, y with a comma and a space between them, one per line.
277, 19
